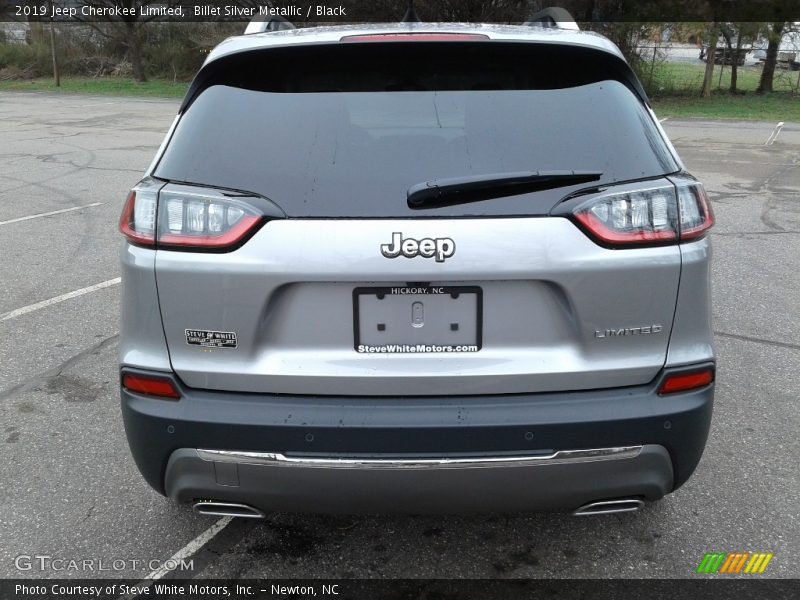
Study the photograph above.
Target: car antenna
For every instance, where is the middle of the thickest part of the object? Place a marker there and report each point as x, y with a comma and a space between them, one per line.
411, 15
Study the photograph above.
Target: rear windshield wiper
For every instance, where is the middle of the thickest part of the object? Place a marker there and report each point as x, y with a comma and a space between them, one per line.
460, 190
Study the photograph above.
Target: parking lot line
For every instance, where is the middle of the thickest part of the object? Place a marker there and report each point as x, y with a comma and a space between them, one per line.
774, 135
189, 549
52, 212
45, 303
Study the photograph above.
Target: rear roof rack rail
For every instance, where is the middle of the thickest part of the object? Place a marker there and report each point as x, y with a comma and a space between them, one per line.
554, 16
266, 23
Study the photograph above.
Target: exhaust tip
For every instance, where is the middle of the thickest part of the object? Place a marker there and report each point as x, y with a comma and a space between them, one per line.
227, 509
607, 507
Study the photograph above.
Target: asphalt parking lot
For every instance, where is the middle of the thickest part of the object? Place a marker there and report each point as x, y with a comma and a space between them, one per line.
71, 491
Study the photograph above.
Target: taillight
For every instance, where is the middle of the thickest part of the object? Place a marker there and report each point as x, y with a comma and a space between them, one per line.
647, 217
204, 221
181, 217
631, 218
150, 386
683, 382
138, 220
695, 212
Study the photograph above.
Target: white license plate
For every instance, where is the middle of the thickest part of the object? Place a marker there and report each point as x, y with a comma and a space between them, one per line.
417, 319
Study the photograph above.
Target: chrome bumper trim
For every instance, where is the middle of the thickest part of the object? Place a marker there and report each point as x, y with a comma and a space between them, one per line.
281, 460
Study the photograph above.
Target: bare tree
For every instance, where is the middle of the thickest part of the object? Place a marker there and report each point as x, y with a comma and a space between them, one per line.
35, 24
125, 26
473, 11
54, 53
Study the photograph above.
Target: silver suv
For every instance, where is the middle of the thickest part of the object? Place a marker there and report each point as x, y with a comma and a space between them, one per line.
416, 268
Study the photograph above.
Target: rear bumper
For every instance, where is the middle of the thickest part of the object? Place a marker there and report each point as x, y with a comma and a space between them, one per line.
531, 482
352, 454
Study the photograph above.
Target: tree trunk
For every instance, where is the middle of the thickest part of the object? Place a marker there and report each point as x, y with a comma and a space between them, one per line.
36, 33
135, 51
770, 62
56, 72
735, 62
710, 54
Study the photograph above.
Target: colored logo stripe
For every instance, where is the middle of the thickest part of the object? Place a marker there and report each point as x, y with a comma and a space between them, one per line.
759, 562
732, 563
711, 562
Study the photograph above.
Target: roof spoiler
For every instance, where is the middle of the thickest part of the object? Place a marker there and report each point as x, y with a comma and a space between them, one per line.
266, 23
554, 16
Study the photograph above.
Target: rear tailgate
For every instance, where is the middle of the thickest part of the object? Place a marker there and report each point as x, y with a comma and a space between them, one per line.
547, 291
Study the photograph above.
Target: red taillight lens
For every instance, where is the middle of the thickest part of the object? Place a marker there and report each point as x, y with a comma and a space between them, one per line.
696, 216
150, 386
416, 37
138, 220
683, 382
655, 216
204, 220
631, 218
183, 217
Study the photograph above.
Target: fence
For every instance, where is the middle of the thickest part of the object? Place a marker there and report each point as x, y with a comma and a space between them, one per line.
679, 70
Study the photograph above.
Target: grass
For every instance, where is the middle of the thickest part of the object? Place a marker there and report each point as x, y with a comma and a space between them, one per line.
778, 106
105, 86
675, 91
687, 78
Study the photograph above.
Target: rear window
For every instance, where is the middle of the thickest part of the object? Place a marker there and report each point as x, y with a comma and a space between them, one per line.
345, 131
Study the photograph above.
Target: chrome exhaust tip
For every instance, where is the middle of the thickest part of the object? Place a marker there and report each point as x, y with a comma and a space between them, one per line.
227, 509
607, 507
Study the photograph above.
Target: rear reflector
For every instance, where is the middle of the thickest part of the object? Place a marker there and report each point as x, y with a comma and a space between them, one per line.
695, 211
416, 37
150, 386
138, 220
683, 382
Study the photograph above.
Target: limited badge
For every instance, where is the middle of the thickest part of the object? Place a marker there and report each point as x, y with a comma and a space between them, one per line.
211, 339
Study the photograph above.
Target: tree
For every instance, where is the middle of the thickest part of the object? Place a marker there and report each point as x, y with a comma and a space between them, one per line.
35, 24
126, 26
632, 39
712, 35
54, 54
745, 33
473, 11
774, 34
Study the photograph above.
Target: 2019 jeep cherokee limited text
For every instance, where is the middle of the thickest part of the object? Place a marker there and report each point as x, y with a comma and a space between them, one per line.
418, 268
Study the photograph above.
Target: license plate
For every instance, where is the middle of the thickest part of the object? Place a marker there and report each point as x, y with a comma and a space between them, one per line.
417, 319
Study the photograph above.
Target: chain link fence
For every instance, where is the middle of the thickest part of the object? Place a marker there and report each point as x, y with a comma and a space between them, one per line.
679, 70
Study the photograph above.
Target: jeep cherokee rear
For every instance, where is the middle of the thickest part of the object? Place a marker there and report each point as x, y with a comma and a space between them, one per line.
416, 268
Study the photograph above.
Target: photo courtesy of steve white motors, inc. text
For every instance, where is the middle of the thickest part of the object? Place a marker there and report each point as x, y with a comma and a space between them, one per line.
172, 589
